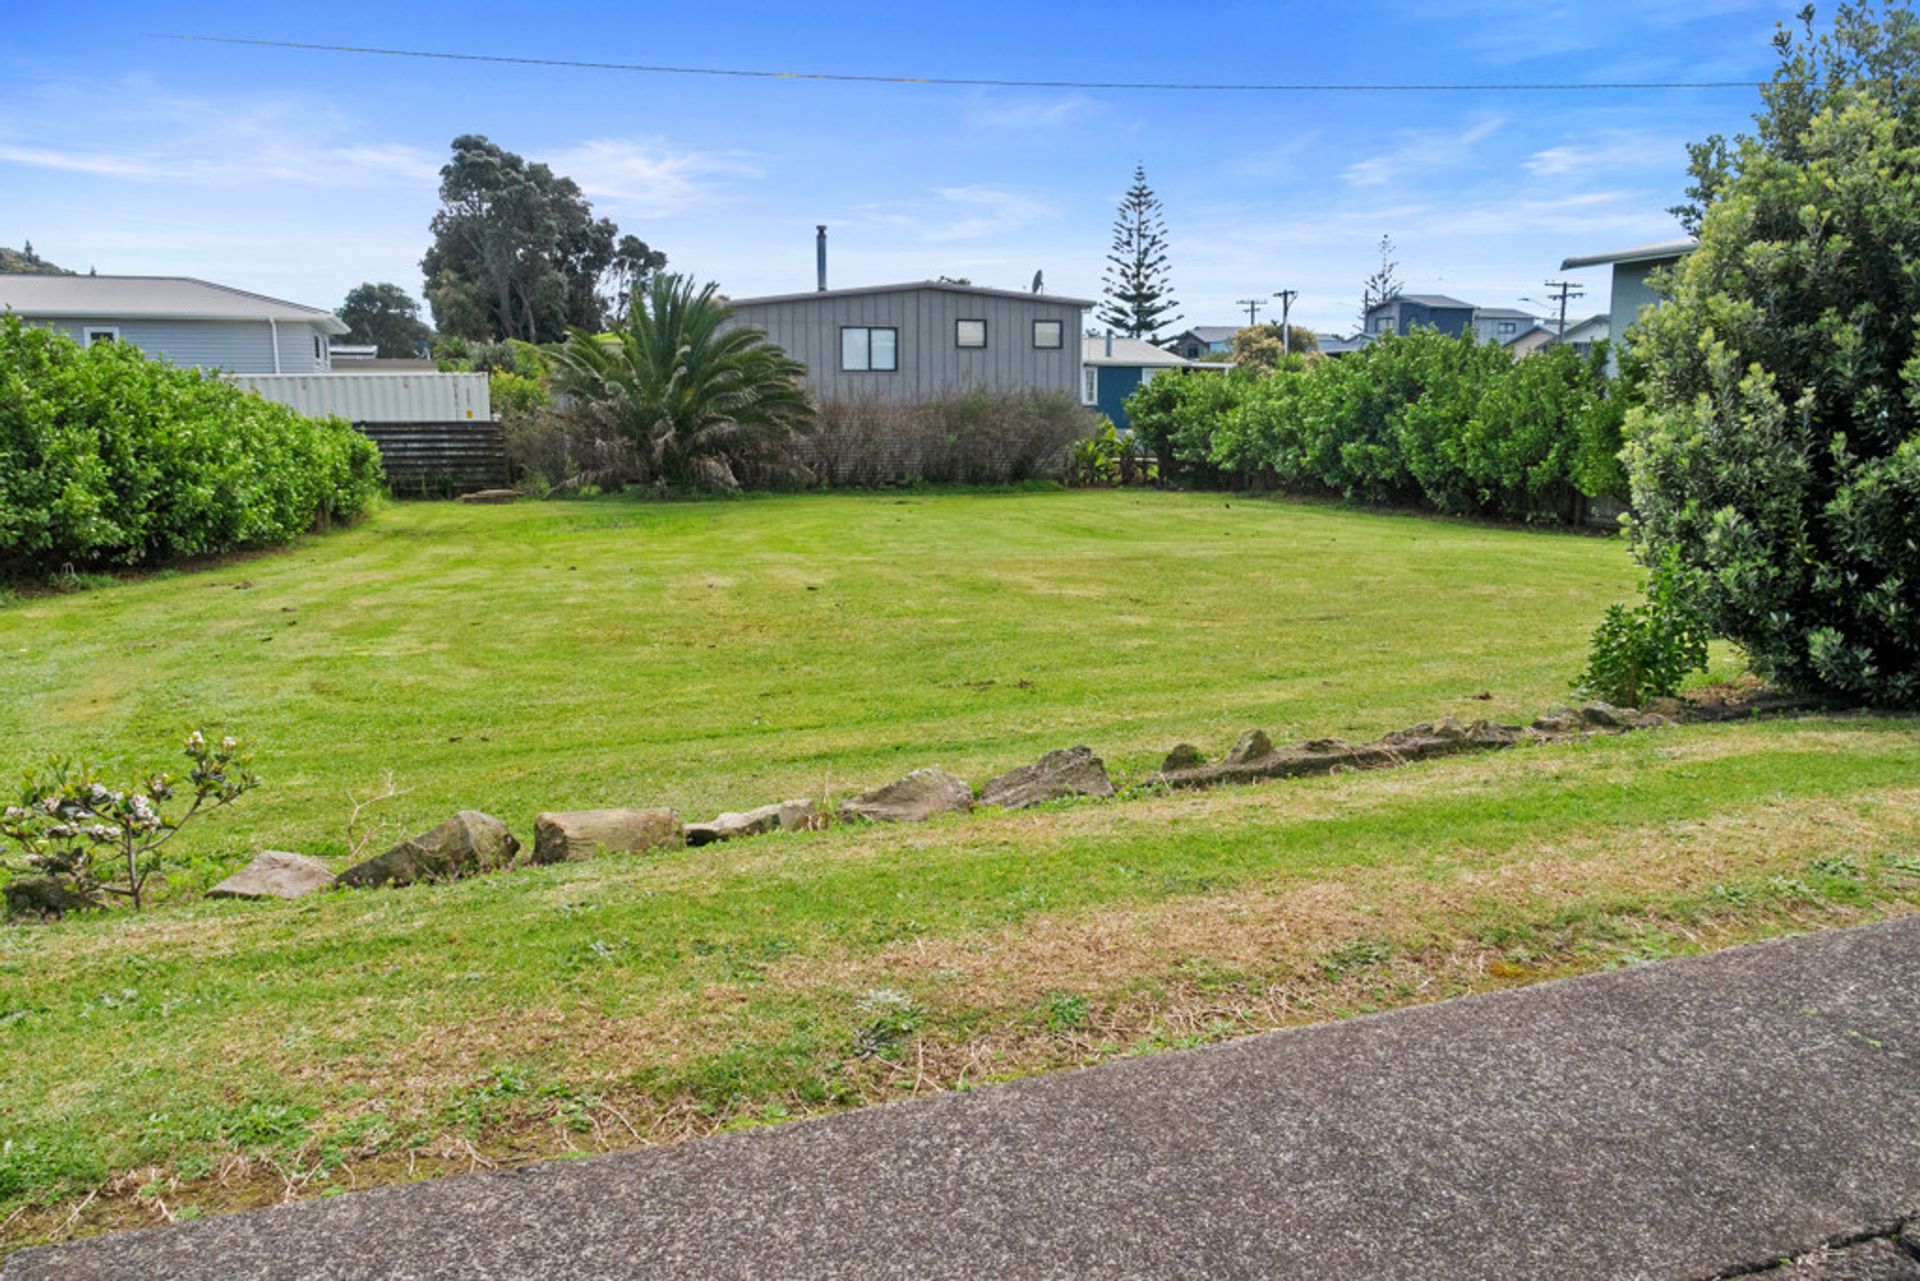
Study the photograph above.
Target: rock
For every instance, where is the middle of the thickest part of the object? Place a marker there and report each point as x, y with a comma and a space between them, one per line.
1074, 771
787, 816
275, 874
1251, 746
581, 834
1604, 715
491, 496
1672, 709
1558, 721
44, 897
913, 799
1183, 756
466, 844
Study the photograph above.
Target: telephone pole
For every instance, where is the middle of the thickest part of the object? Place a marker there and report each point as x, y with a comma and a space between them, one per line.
1560, 291
1286, 297
1253, 306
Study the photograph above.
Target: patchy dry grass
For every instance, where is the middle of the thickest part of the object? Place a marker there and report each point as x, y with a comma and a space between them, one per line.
218, 1055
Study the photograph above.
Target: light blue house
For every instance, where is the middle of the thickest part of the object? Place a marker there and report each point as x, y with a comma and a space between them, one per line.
186, 321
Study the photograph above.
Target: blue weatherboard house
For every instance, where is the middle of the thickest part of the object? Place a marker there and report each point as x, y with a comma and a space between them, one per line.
1110, 368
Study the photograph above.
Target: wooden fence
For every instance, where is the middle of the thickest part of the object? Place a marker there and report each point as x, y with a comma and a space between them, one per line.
441, 460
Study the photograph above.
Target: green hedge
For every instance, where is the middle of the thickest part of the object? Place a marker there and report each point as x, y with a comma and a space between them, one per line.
1416, 420
107, 457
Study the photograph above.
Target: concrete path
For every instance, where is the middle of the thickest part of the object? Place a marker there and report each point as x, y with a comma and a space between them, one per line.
1683, 1120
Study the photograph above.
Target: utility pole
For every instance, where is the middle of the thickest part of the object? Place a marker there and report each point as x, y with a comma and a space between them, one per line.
1253, 306
1561, 290
1286, 297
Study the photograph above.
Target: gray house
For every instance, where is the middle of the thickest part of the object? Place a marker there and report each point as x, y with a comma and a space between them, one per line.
1405, 312
1203, 341
186, 321
1631, 267
917, 341
1501, 324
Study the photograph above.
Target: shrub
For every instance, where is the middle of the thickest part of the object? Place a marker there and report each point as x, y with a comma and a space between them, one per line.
551, 450
967, 438
1778, 453
1644, 652
107, 457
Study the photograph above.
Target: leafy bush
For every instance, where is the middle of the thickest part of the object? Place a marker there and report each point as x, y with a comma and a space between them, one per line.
968, 438
1644, 652
66, 816
107, 457
1778, 452
1419, 419
570, 451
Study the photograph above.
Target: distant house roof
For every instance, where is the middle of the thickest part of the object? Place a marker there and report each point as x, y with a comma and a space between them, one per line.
1527, 334
1659, 251
1504, 313
1132, 352
1340, 344
153, 297
1577, 330
1212, 333
909, 287
1431, 300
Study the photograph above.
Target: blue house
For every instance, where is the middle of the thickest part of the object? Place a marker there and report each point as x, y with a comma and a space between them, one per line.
1405, 312
1110, 368
189, 322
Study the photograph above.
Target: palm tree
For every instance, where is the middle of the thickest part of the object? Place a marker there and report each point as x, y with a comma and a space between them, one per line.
699, 401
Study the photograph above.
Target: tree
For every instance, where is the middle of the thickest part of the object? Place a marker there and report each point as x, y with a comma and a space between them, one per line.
1383, 285
517, 252
1262, 347
1776, 456
386, 316
1138, 282
701, 401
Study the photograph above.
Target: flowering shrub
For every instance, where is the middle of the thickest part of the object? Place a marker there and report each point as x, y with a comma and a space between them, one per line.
107, 457
70, 825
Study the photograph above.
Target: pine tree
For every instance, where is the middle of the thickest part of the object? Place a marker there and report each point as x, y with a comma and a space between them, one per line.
1138, 284
1383, 285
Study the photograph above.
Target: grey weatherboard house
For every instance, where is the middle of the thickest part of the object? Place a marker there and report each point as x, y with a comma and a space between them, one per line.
189, 322
1404, 312
1631, 294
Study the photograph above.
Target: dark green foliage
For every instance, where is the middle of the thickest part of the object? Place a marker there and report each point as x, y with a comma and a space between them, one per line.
107, 457
25, 262
1778, 452
1644, 652
1419, 419
386, 316
702, 404
1138, 281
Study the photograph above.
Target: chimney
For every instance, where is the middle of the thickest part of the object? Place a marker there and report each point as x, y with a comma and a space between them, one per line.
1109, 340
820, 253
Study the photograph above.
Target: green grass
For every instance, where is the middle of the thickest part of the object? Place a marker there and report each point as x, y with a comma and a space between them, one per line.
208, 1055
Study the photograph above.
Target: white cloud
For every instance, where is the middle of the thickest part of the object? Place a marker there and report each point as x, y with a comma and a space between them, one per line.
1027, 113
1608, 152
964, 213
649, 176
1422, 151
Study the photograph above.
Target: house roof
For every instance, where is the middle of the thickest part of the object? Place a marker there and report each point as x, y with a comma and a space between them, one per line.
1331, 343
1535, 328
1659, 251
946, 286
1601, 321
1131, 352
153, 297
1504, 313
1432, 300
1212, 333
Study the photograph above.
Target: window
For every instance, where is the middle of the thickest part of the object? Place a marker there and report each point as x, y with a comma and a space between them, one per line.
98, 333
1507, 328
869, 350
969, 333
319, 353
1047, 334
1089, 384
1384, 325
1193, 351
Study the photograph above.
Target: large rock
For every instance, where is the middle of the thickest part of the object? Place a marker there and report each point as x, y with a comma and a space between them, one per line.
44, 897
1605, 715
1073, 771
785, 816
1251, 746
1183, 756
1559, 721
581, 834
275, 874
468, 843
918, 796
1248, 764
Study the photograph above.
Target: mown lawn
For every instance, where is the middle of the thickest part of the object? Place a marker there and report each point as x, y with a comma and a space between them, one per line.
210, 1055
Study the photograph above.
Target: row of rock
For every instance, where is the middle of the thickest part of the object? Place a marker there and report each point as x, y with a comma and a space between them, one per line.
471, 843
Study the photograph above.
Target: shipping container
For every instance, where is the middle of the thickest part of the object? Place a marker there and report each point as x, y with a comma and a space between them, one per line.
377, 397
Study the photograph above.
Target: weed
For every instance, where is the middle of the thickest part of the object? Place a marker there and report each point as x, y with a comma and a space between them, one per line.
893, 1019
1066, 1011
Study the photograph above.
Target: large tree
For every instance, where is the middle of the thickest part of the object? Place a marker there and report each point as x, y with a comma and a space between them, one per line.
1138, 282
386, 316
1383, 285
517, 252
1776, 459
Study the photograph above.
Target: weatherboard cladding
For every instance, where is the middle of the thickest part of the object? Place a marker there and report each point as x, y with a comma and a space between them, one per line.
808, 327
238, 346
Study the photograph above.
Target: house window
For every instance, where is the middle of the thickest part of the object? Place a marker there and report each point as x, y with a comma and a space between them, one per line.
1193, 351
866, 349
1384, 325
1089, 385
319, 355
1507, 328
1047, 334
98, 333
969, 333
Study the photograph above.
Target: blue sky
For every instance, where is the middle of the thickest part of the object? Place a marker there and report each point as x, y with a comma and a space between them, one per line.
300, 174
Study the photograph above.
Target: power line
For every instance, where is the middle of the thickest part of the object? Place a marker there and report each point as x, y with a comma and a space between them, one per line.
985, 82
